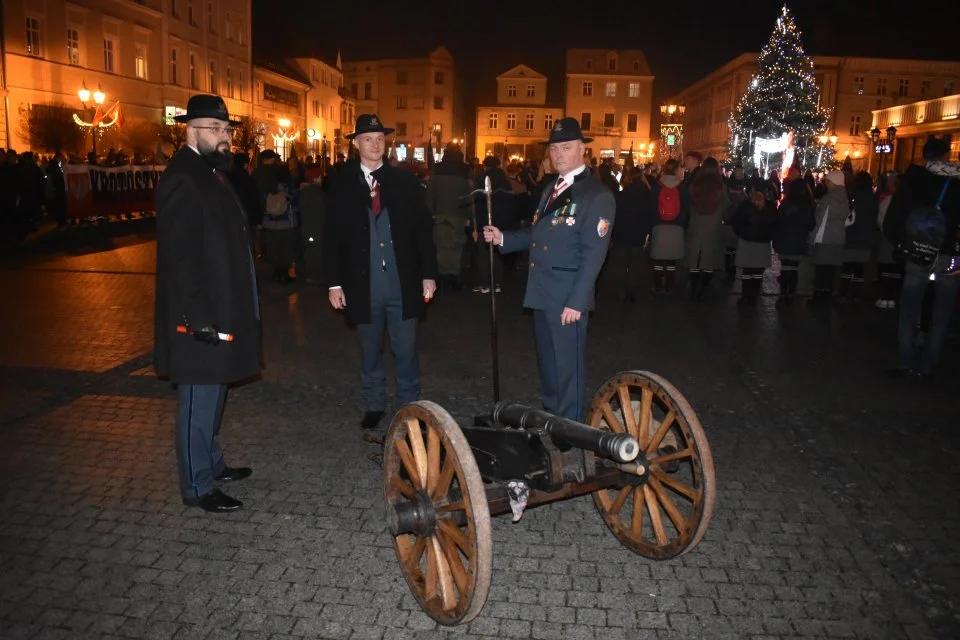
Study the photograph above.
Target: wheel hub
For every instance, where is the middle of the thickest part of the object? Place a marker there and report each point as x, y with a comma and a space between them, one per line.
417, 516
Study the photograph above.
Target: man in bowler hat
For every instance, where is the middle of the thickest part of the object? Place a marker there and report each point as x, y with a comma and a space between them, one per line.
207, 325
380, 263
568, 243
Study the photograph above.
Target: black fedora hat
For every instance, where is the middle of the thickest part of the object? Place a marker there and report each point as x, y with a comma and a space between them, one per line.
205, 106
565, 130
368, 123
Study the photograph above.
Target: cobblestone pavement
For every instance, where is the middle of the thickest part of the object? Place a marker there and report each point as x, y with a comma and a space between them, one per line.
837, 502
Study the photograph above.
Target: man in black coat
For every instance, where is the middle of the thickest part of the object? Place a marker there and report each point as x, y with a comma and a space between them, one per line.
207, 326
380, 263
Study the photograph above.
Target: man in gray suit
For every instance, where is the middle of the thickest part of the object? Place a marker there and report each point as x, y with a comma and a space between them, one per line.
568, 243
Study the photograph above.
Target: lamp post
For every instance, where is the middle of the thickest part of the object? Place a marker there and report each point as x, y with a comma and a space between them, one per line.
671, 130
98, 99
883, 146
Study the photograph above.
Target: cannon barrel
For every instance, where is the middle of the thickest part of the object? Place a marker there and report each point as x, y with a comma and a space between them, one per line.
566, 433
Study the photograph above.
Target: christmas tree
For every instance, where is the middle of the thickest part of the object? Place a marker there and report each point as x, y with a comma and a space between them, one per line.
778, 121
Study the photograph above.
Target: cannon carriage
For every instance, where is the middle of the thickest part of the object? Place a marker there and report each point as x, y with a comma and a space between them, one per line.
641, 453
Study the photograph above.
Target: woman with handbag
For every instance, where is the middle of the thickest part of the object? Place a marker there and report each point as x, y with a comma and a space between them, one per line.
829, 236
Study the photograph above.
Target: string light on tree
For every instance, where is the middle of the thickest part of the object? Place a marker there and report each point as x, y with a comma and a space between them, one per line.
781, 103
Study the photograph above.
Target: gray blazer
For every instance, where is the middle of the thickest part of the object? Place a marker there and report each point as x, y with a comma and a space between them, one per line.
568, 243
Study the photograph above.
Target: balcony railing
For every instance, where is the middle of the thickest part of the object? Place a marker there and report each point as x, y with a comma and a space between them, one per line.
926, 111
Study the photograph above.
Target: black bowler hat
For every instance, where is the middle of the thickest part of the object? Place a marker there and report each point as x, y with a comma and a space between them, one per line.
565, 130
368, 123
205, 106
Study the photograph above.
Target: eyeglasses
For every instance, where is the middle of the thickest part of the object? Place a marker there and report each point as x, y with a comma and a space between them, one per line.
220, 131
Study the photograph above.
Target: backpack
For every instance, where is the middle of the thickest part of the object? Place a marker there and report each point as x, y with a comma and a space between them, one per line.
668, 201
278, 214
924, 232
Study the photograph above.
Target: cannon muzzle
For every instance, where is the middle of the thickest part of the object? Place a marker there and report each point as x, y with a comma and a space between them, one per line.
567, 433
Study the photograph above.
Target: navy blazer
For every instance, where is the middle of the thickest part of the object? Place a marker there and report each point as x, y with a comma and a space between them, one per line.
568, 243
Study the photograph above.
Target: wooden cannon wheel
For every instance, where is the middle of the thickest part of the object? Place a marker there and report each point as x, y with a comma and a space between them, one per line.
664, 510
432, 486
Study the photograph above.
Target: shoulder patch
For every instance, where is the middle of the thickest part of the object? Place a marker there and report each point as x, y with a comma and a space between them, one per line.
603, 227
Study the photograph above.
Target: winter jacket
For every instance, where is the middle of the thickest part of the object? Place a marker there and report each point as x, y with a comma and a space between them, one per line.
866, 208
919, 188
670, 181
753, 224
633, 215
794, 223
835, 207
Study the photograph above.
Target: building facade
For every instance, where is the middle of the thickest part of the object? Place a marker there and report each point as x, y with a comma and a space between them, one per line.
412, 95
513, 128
280, 107
150, 55
330, 110
851, 88
914, 123
610, 92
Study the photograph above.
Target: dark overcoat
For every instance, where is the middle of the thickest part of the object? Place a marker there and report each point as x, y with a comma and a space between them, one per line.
347, 238
204, 274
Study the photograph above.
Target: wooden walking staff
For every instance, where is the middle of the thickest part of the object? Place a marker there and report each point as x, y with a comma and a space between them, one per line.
488, 194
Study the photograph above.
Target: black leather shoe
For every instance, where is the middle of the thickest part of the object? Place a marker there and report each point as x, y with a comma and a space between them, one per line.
371, 419
230, 474
215, 502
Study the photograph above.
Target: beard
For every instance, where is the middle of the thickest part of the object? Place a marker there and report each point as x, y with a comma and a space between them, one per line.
218, 157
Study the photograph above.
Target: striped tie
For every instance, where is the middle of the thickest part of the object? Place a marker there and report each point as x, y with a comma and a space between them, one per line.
374, 195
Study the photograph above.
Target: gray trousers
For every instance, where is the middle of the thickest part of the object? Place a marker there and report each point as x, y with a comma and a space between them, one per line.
560, 356
199, 458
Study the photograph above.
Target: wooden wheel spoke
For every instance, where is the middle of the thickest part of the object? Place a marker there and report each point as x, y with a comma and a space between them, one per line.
405, 489
620, 500
451, 507
453, 559
626, 408
661, 432
457, 536
433, 459
446, 477
668, 457
415, 436
409, 464
636, 523
430, 580
415, 551
646, 406
669, 507
654, 509
680, 487
611, 419
444, 578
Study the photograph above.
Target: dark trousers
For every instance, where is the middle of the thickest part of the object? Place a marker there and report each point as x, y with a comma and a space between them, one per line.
751, 283
199, 459
625, 270
388, 313
560, 356
915, 284
482, 252
851, 279
664, 273
891, 278
789, 277
823, 281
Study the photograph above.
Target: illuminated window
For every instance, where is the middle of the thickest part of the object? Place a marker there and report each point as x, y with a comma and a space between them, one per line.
585, 121
858, 84
587, 89
854, 125
493, 122
608, 120
548, 121
881, 86
634, 90
109, 50
632, 122
173, 66
511, 91
611, 89
904, 87
531, 90
511, 121
140, 61
73, 46
528, 122
33, 37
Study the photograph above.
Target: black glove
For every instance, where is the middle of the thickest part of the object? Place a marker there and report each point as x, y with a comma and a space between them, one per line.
208, 335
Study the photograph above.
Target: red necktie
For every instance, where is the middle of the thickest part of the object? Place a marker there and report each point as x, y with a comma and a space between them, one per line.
374, 195
556, 190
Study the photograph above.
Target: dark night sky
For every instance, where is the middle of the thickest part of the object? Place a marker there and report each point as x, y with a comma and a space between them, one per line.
682, 40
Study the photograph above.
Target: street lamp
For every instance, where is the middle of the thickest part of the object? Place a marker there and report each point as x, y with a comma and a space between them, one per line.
98, 99
671, 131
883, 146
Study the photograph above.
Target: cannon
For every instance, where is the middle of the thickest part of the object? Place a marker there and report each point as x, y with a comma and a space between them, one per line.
640, 452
